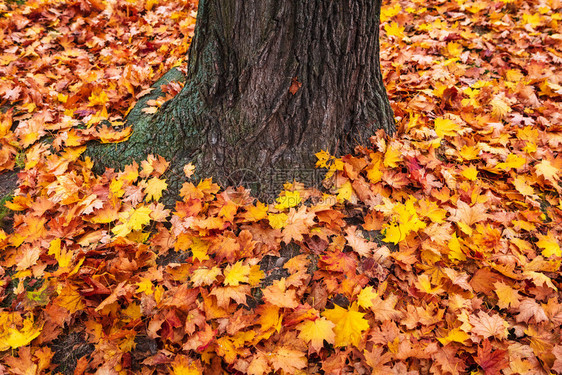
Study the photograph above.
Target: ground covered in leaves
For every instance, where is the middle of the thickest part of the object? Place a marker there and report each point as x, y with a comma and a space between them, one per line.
436, 251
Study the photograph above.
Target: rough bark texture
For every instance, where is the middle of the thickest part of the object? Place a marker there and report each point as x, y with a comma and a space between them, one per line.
240, 117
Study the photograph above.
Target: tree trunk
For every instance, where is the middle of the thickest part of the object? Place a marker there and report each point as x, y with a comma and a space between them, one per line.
269, 84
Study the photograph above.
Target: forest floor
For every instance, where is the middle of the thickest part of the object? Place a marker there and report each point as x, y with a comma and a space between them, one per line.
435, 251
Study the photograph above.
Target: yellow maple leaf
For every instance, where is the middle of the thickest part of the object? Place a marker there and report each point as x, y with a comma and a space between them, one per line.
256, 213
423, 283
121, 230
315, 332
507, 296
532, 19
13, 337
445, 127
323, 159
455, 335
469, 152
549, 245
288, 199
99, 98
205, 276
145, 286
512, 162
116, 187
393, 29
139, 217
228, 211
392, 157
455, 250
63, 257
183, 365
154, 189
500, 107
470, 173
394, 232
345, 192
547, 170
349, 324
374, 170
366, 297
277, 221
236, 274
388, 12
522, 186
199, 249
134, 219
256, 275
70, 299
454, 49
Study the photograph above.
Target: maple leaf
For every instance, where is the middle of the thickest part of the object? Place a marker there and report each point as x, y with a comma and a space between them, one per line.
145, 286
277, 221
298, 223
549, 245
465, 216
236, 293
445, 127
512, 162
392, 157
236, 274
183, 365
384, 309
448, 359
315, 332
470, 173
205, 276
522, 186
154, 189
393, 29
507, 296
360, 245
366, 297
287, 359
63, 257
454, 335
424, 284
120, 290
500, 107
349, 324
547, 170
27, 257
12, 336
557, 351
345, 192
277, 294
489, 325
200, 249
134, 219
528, 309
228, 211
70, 299
491, 361
189, 169
256, 213
288, 199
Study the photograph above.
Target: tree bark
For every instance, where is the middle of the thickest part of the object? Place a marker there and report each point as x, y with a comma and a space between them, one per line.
269, 84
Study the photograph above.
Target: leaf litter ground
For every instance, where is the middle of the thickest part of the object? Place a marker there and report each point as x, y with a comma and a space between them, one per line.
436, 251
